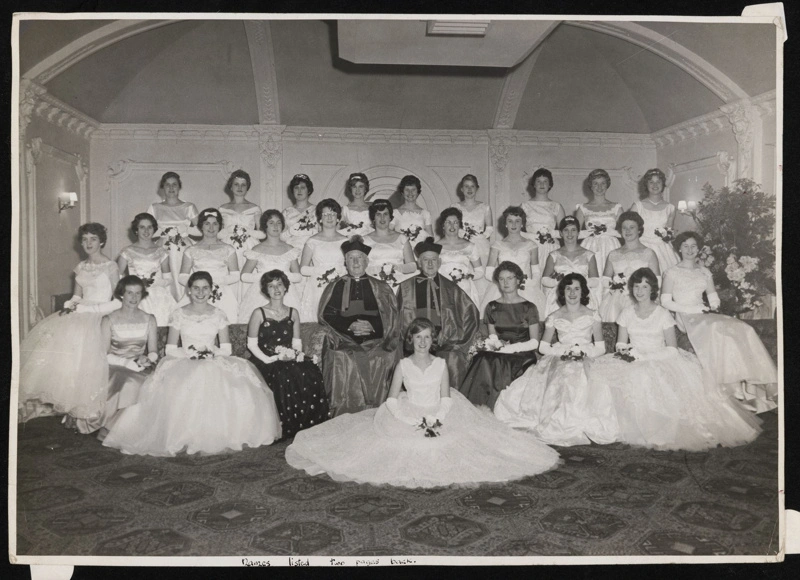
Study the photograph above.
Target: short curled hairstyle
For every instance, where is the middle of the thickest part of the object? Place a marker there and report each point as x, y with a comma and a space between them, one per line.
272, 276
409, 180
166, 176
516, 211
380, 205
566, 281
200, 275
206, 214
140, 217
655, 172
508, 266
467, 177
238, 173
331, 204
301, 178
644, 275
597, 173
267, 215
126, 281
418, 325
630, 216
446, 213
569, 220
94, 229
353, 179
683, 236
541, 172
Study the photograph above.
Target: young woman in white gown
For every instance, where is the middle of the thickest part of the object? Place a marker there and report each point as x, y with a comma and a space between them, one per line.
355, 215
598, 218
410, 219
271, 254
657, 213
570, 257
200, 399
459, 258
727, 347
476, 215
63, 368
391, 258
458, 444
663, 398
621, 263
301, 216
218, 259
543, 214
150, 262
523, 252
554, 399
322, 261
176, 219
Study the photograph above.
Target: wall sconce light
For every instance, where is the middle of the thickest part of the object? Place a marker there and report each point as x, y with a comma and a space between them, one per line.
67, 200
687, 207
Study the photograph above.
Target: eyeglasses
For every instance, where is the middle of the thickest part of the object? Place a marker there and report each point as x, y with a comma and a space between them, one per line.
328, 214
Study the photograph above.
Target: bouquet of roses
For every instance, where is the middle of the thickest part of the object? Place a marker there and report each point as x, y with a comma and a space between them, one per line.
489, 344
430, 426
574, 353
216, 294
386, 273
524, 280
557, 276
199, 354
596, 229
327, 277
148, 280
237, 235
411, 232
457, 275
173, 236
545, 236
287, 353
626, 353
305, 223
468, 232
666, 234
619, 282
349, 228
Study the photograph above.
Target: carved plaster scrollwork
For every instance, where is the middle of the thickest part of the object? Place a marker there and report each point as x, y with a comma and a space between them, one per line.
498, 153
270, 149
29, 97
743, 117
727, 166
33, 152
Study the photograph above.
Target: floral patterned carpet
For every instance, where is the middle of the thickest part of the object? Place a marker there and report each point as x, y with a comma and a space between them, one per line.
77, 498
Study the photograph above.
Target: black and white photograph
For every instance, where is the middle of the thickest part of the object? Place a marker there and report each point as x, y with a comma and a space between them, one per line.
347, 290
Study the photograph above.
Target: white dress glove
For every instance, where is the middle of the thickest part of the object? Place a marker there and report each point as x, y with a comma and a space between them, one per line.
230, 278
250, 277
478, 272
175, 351
308, 270
297, 344
549, 282
487, 233
713, 300
519, 346
183, 279
489, 273
252, 346
294, 277
407, 268
445, 404
128, 363
556, 349
596, 349
72, 302
668, 303
393, 406
224, 349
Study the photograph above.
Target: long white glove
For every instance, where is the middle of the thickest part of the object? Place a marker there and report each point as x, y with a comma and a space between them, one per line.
487, 233
225, 349
229, 278
556, 349
549, 282
592, 283
103, 308
152, 357
596, 349
668, 303
445, 404
72, 302
406, 268
165, 279
121, 361
623, 346
489, 273
175, 351
308, 270
183, 279
297, 344
252, 346
519, 346
294, 277
478, 272
713, 300
250, 277
394, 408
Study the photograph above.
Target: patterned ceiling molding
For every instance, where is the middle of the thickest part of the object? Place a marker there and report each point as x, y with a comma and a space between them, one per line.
568, 139
766, 103
710, 76
89, 44
35, 99
148, 132
378, 136
262, 57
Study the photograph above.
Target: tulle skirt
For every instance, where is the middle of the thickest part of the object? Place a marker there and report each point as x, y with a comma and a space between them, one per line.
159, 303
198, 406
614, 302
253, 298
555, 400
601, 246
671, 404
374, 447
664, 252
63, 370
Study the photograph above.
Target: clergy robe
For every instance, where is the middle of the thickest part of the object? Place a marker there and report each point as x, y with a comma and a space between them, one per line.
358, 370
457, 320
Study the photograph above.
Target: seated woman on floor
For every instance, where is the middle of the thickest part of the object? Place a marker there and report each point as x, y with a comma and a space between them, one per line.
554, 399
512, 320
662, 397
427, 436
200, 399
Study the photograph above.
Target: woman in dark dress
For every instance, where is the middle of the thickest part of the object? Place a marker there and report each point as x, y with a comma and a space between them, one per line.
273, 338
514, 321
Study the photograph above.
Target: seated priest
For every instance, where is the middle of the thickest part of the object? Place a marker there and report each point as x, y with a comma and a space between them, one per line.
440, 300
362, 344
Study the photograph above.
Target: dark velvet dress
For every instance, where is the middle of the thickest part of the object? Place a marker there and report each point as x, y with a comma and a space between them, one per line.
491, 372
297, 386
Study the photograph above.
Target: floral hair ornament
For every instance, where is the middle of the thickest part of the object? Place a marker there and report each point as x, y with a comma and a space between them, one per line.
301, 176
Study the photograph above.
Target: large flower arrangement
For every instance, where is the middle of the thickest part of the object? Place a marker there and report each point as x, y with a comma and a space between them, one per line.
737, 224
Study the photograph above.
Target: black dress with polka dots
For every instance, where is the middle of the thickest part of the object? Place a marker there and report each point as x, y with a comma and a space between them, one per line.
297, 386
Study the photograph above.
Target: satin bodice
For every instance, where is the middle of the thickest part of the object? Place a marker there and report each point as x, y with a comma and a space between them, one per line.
540, 213
173, 215
245, 219
570, 332
653, 218
301, 224
461, 258
423, 386
274, 333
267, 262
628, 262
689, 284
198, 330
646, 334
129, 340
213, 261
475, 218
96, 280
326, 253
357, 220
564, 265
406, 219
521, 255
144, 264
512, 322
384, 253
606, 217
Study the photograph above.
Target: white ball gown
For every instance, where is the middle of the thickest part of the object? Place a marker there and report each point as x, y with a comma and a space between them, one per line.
563, 266
616, 300
375, 447
215, 262
174, 223
554, 398
540, 221
411, 224
521, 256
600, 242
147, 266
357, 222
198, 406
657, 218
457, 265
327, 261
665, 400
241, 231
727, 347
475, 220
385, 255
253, 298
300, 225
63, 367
